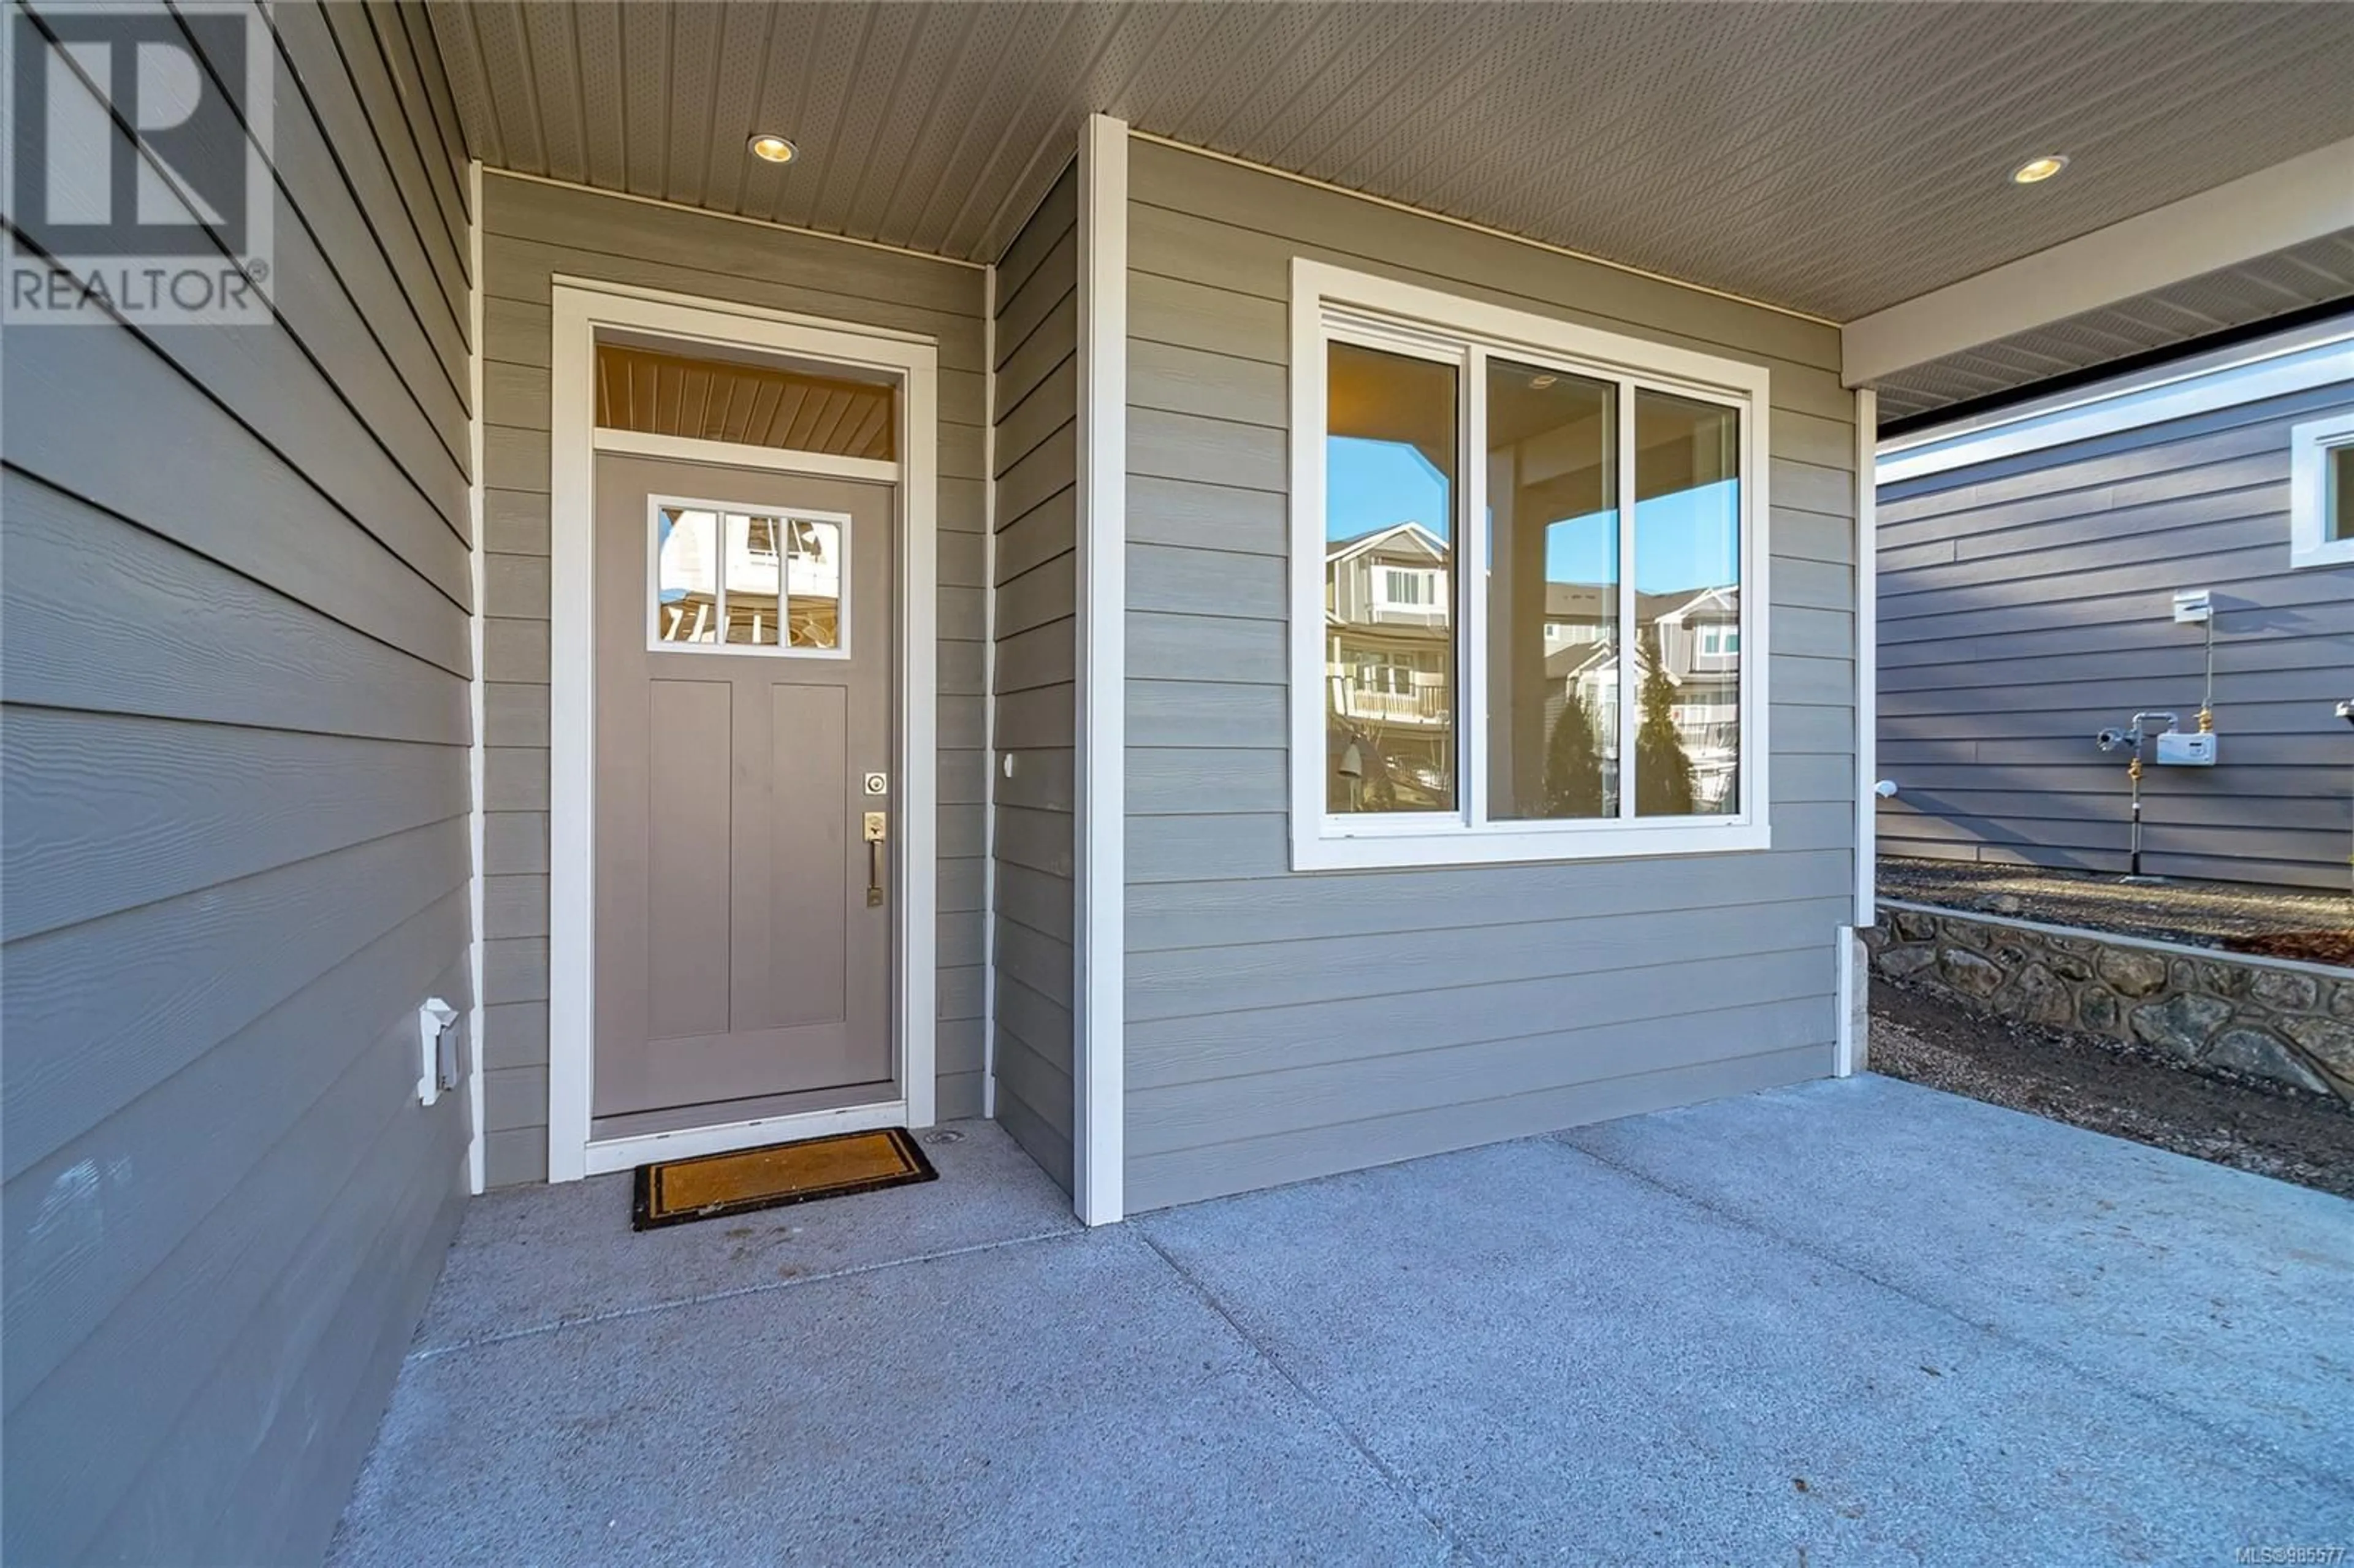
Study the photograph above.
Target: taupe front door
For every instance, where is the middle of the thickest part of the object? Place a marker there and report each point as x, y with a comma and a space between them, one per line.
744, 691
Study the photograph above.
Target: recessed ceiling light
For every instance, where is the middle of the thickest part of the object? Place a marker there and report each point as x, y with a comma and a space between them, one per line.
772, 149
2035, 171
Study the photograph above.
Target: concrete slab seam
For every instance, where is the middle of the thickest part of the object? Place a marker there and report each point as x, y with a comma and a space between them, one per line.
435, 1353
1388, 1477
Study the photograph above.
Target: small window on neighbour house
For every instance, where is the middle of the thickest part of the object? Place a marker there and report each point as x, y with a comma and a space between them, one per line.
1536, 551
2321, 493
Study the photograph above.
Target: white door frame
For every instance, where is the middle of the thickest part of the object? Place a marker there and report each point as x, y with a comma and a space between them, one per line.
579, 307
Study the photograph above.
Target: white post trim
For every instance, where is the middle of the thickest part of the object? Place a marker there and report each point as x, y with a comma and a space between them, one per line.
1867, 654
579, 307
477, 693
1098, 1155
1854, 979
989, 694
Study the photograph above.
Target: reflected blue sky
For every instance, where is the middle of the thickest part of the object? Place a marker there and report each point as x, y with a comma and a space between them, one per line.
1372, 484
1690, 539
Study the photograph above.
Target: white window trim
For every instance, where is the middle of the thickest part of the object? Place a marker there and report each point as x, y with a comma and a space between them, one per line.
1392, 312
842, 521
2309, 492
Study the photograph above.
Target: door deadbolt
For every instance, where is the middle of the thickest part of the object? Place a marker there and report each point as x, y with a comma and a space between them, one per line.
879, 784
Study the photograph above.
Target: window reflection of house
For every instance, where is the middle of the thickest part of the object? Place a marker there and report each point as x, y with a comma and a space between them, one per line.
1697, 637
1389, 646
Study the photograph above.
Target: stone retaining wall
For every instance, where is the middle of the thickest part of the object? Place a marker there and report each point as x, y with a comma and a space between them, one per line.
2285, 1023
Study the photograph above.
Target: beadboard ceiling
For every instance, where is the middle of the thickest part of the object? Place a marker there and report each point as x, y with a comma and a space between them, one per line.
1828, 158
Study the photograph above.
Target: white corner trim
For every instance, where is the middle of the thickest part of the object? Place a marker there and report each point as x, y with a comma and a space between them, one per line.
2309, 446
1330, 303
2286, 205
989, 694
478, 693
578, 308
2299, 361
1867, 660
1099, 1155
1852, 1027
1853, 1021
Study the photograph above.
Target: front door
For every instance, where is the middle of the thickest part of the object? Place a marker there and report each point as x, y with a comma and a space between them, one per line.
743, 751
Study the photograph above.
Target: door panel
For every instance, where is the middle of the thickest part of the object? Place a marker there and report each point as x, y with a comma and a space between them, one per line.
744, 686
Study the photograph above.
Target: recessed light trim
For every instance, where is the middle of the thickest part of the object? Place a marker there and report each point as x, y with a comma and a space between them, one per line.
2035, 171
771, 149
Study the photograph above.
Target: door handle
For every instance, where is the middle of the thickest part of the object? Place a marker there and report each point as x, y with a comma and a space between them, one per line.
875, 827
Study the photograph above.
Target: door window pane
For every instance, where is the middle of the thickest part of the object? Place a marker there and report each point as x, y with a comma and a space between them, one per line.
1389, 581
812, 549
1688, 607
1552, 594
751, 580
754, 570
686, 600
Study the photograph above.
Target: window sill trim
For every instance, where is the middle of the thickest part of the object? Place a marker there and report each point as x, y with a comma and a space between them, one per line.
1316, 850
2325, 553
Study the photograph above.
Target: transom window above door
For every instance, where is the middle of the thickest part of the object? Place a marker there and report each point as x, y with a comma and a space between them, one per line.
1529, 573
738, 579
661, 392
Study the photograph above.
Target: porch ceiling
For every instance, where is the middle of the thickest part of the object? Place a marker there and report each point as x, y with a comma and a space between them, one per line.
1831, 159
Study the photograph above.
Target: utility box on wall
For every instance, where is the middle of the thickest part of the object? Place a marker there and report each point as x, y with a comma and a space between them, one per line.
2175, 750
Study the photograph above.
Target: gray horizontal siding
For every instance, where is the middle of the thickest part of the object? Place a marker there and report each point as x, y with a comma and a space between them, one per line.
533, 231
1283, 1025
234, 657
2025, 603
1035, 707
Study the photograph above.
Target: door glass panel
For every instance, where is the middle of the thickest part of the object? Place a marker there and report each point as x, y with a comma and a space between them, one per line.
1389, 582
753, 573
686, 604
1688, 607
813, 549
665, 394
1552, 594
753, 581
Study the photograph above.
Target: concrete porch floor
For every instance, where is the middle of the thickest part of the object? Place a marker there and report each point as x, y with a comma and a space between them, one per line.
1849, 1322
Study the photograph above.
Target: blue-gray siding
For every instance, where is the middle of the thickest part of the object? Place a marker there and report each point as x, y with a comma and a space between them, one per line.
2025, 603
532, 231
1281, 1025
233, 798
1036, 712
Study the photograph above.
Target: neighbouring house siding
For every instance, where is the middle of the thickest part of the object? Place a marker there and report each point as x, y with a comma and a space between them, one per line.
2027, 603
235, 750
531, 232
1036, 713
1282, 1026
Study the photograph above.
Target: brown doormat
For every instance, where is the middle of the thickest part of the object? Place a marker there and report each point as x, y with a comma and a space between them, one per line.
678, 1191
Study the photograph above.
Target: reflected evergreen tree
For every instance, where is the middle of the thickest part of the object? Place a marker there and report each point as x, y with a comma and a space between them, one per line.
1663, 771
1380, 790
1573, 776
